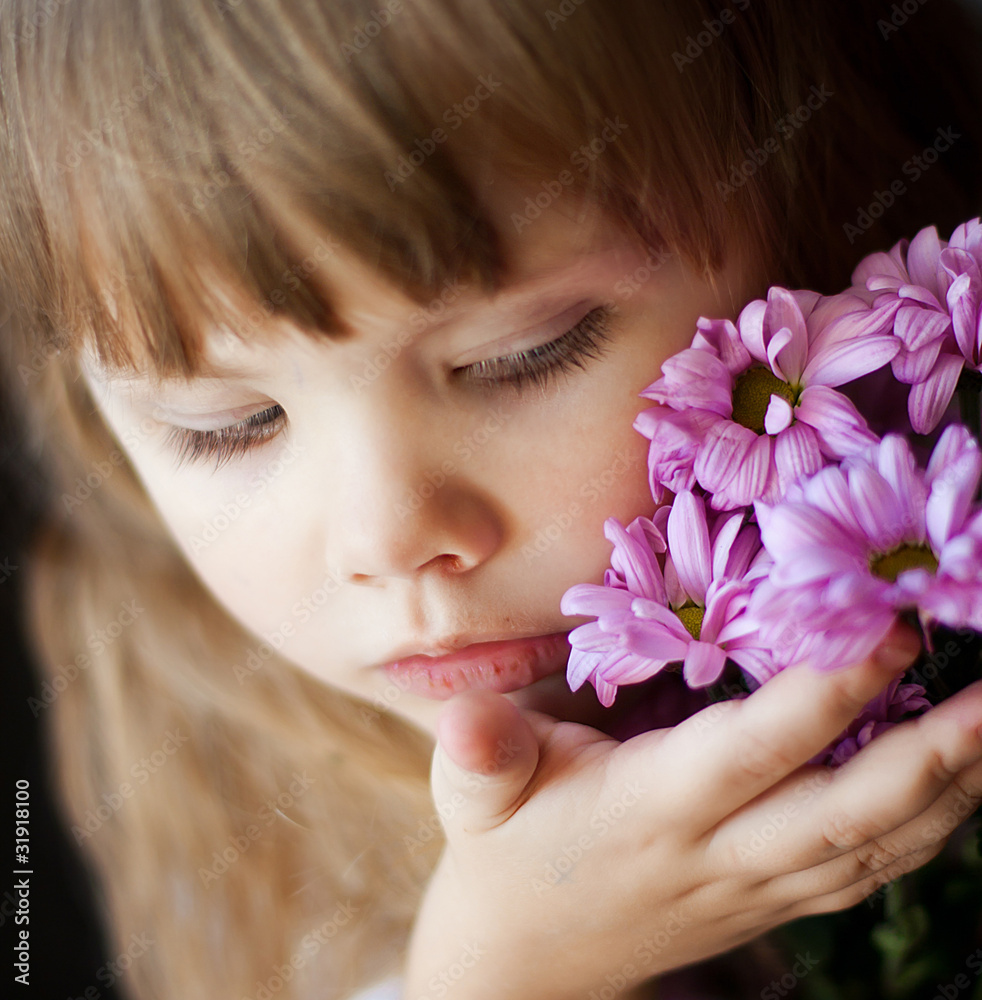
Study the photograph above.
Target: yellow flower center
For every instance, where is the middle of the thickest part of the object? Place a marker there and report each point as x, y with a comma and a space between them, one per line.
752, 395
891, 565
691, 617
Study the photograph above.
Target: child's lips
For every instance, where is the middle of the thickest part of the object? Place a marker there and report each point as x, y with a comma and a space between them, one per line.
502, 666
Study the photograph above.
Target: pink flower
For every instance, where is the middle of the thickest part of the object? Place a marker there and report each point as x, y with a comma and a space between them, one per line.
937, 289
751, 406
894, 704
693, 612
857, 543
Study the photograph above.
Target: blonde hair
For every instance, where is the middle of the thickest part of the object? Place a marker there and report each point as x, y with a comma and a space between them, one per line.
151, 145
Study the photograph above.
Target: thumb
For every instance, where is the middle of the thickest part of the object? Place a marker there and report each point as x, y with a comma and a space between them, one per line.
486, 753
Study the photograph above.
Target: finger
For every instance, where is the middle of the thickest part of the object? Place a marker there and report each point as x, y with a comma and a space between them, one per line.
882, 802
486, 753
736, 750
868, 890
895, 850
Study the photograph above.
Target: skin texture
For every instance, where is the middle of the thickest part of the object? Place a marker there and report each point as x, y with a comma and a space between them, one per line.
343, 498
519, 780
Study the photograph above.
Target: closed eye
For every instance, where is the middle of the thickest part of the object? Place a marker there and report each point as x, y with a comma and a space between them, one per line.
587, 339
226, 443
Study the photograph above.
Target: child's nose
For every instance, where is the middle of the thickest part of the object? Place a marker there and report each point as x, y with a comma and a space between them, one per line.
403, 505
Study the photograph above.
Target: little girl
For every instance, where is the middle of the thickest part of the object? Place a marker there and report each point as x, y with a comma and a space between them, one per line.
328, 320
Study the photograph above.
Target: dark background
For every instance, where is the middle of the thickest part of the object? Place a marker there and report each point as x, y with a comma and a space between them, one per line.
67, 946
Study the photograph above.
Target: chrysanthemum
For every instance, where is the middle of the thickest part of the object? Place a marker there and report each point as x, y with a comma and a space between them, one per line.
751, 406
894, 704
693, 612
856, 543
937, 289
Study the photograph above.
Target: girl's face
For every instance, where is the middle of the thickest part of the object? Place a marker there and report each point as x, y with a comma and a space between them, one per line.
435, 477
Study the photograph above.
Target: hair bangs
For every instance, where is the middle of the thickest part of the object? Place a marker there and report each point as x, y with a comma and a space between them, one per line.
212, 157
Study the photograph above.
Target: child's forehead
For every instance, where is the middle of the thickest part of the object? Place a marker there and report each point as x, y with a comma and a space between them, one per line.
568, 246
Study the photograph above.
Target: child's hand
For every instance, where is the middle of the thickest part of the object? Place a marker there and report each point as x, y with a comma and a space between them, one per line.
575, 863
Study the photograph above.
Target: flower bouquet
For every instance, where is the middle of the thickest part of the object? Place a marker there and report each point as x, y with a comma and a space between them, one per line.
811, 505
797, 532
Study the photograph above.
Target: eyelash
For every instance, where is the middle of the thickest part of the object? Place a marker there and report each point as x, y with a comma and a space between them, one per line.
226, 443
588, 339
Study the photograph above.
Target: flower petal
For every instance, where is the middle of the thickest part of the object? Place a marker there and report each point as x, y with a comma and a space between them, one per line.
688, 542
953, 489
918, 325
755, 479
895, 462
796, 454
923, 256
912, 367
634, 560
789, 350
964, 297
779, 415
723, 451
651, 640
928, 401
841, 429
693, 379
704, 663
750, 323
723, 338
724, 534
877, 508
